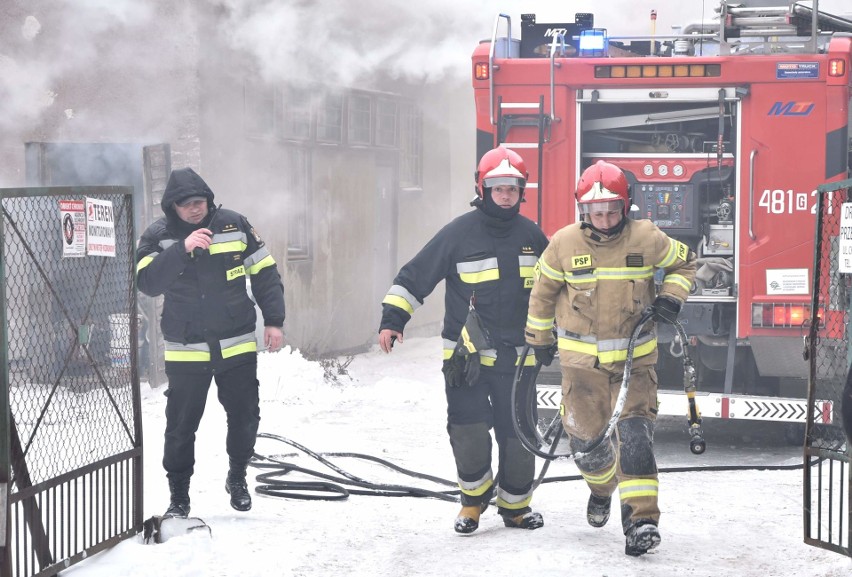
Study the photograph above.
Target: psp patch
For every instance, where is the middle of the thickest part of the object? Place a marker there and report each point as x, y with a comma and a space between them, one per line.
581, 261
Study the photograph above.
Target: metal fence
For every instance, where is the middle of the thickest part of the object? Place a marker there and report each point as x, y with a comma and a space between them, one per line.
827, 489
71, 447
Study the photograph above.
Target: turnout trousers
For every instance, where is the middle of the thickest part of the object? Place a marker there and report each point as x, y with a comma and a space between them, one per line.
472, 411
626, 462
237, 388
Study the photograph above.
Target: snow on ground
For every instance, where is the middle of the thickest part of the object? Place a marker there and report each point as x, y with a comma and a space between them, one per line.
744, 523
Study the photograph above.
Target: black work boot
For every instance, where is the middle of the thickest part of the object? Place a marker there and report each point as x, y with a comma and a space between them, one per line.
531, 520
641, 537
597, 511
236, 486
179, 503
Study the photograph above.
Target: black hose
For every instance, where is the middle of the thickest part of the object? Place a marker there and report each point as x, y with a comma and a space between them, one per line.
338, 488
616, 414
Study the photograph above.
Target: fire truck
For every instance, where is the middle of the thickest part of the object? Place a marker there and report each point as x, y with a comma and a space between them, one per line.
724, 130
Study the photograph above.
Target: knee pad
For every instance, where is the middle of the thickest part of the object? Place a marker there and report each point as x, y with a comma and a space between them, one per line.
601, 457
636, 454
471, 446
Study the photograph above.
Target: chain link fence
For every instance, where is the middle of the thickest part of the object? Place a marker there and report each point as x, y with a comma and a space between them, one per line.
827, 489
71, 461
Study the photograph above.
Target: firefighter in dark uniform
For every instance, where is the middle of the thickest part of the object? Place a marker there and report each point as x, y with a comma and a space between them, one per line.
199, 258
486, 257
595, 280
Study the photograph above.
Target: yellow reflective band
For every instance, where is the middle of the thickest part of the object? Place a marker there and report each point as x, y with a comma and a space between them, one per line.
529, 360
143, 262
482, 276
678, 280
581, 261
625, 273
638, 488
527, 271
487, 361
540, 324
671, 255
239, 350
398, 302
231, 246
615, 356
479, 490
448, 353
549, 272
602, 478
265, 262
188, 356
578, 346
621, 355
235, 272
504, 504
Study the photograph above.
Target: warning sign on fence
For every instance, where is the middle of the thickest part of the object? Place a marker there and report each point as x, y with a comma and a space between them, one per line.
73, 220
100, 228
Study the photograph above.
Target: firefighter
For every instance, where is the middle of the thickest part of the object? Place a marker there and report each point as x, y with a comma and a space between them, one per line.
199, 258
593, 283
486, 257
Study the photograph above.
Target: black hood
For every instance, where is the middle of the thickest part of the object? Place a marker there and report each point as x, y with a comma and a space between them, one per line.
183, 183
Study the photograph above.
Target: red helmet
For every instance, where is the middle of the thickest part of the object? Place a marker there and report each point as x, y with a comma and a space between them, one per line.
500, 166
601, 184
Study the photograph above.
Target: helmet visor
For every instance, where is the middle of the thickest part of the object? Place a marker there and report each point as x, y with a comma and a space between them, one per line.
503, 181
602, 206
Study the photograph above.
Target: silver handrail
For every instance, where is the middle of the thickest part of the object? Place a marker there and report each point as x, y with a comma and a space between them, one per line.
558, 37
491, 59
751, 194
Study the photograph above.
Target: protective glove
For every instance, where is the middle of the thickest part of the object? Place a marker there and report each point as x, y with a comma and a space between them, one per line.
461, 370
666, 310
545, 354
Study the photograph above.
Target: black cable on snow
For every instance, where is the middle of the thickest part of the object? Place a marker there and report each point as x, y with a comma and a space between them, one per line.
339, 487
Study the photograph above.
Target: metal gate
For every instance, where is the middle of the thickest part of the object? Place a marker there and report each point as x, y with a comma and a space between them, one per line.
827, 489
71, 446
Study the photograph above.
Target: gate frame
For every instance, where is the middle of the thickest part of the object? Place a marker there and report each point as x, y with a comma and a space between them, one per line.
815, 458
106, 468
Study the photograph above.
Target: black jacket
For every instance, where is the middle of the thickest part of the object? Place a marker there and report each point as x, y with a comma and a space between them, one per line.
478, 255
206, 298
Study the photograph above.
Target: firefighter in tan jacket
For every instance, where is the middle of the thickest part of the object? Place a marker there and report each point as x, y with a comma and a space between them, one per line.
593, 282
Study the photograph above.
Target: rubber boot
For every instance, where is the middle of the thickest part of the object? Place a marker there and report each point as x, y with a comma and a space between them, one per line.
641, 538
235, 485
597, 511
467, 520
531, 520
179, 503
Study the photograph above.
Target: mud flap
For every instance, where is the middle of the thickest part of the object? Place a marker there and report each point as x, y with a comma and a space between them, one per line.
159, 529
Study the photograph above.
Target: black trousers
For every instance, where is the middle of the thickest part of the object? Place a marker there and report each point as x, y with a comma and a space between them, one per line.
186, 397
471, 412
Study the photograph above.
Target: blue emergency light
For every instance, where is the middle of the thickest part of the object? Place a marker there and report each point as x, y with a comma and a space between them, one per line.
593, 42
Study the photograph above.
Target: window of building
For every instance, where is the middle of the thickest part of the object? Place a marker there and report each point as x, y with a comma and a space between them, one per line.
298, 196
411, 146
330, 118
258, 109
296, 112
386, 122
360, 119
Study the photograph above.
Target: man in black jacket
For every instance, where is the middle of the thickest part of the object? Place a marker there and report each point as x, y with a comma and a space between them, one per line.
199, 258
487, 258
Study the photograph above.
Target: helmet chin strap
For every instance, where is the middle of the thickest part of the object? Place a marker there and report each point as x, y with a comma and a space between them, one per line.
608, 232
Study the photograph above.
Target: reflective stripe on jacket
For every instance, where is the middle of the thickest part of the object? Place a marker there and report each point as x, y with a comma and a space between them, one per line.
595, 289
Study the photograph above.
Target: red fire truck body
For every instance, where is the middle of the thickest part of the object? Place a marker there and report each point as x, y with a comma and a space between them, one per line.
724, 137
